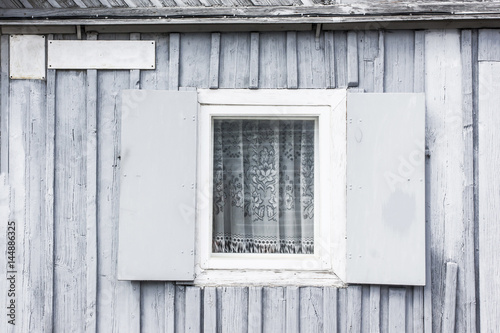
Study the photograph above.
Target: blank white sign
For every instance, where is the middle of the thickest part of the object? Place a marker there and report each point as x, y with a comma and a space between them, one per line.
101, 54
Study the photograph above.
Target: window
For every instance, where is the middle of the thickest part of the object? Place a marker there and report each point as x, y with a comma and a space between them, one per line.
208, 193
265, 190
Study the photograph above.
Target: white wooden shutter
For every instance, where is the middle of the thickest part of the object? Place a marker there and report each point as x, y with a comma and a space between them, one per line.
157, 188
386, 189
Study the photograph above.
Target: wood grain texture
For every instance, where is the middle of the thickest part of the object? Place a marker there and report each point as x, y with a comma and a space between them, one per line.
91, 209
450, 298
234, 310
374, 309
468, 306
152, 306
342, 310
32, 250
354, 308
444, 135
214, 61
255, 310
274, 310
91, 218
170, 307
194, 69
489, 196
70, 202
272, 63
4, 103
118, 302
310, 60
234, 71
291, 60
293, 301
254, 60
352, 59
311, 310
330, 310
330, 59
50, 123
173, 61
341, 58
397, 310
180, 309
489, 45
210, 310
17, 169
399, 55
157, 79
193, 310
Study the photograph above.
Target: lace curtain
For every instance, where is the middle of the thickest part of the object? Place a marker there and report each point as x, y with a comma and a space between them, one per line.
263, 191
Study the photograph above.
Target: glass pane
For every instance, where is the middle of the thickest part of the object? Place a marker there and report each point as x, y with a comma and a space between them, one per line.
263, 186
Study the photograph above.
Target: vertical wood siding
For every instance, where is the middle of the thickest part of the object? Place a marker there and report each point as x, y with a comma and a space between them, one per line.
60, 146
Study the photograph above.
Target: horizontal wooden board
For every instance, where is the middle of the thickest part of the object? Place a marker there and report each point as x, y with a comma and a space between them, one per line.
77, 54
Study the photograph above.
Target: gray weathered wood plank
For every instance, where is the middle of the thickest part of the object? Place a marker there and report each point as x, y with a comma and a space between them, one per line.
70, 199
374, 309
310, 60
419, 62
170, 307
234, 310
384, 309
365, 309
234, 71
194, 66
180, 309
255, 310
354, 308
91, 209
418, 309
450, 298
50, 120
214, 61
330, 59
399, 55
352, 59
489, 45
193, 309
397, 313
445, 178
291, 60
272, 63
118, 302
342, 310
4, 103
330, 310
173, 61
468, 307
254, 60
293, 301
157, 79
489, 196
210, 310
153, 306
311, 310
341, 58
274, 310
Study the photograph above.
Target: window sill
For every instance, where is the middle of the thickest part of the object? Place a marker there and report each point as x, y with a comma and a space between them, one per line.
242, 278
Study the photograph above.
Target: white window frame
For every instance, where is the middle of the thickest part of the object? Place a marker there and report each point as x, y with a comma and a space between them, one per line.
327, 265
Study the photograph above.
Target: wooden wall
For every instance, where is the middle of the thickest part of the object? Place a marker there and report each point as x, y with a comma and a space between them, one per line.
60, 148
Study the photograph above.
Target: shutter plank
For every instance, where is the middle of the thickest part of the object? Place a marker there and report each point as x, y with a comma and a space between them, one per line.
385, 189
158, 173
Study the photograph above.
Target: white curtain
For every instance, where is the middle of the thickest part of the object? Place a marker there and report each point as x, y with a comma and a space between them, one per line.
263, 187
